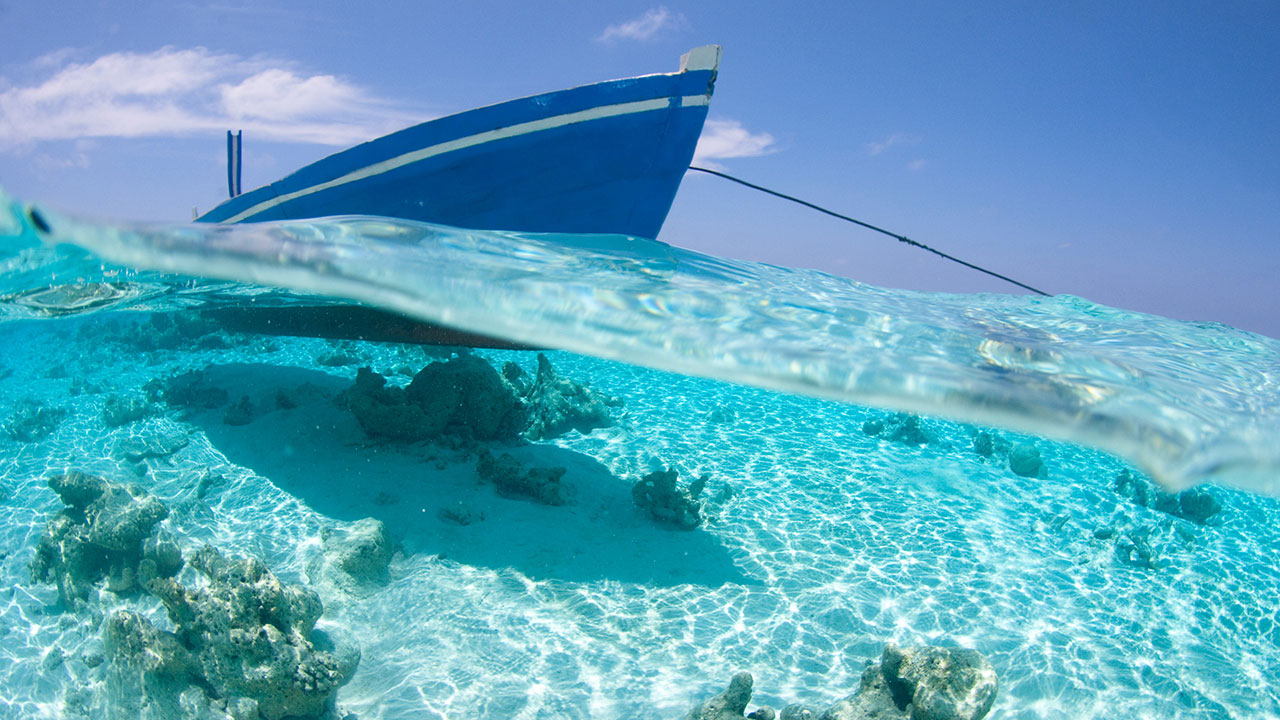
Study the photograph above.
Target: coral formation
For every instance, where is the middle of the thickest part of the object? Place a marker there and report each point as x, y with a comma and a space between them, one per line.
32, 420
660, 495
464, 397
459, 513
1024, 459
1197, 505
901, 428
919, 683
244, 637
242, 642
558, 405
540, 484
107, 531
361, 552
241, 413
120, 410
472, 396
731, 703
386, 413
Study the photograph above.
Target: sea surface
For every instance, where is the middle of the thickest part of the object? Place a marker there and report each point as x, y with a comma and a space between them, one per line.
858, 446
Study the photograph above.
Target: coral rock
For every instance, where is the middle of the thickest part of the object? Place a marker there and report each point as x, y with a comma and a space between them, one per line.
542, 485
107, 532
1197, 505
248, 636
940, 683
120, 410
558, 405
730, 704
362, 551
32, 420
659, 494
1024, 459
471, 395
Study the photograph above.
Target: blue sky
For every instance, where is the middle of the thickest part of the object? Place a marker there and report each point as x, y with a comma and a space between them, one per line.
1125, 152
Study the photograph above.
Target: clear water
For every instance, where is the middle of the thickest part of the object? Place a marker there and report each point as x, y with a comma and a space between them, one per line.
833, 542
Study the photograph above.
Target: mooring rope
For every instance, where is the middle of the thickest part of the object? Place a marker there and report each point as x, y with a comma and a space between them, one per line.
869, 226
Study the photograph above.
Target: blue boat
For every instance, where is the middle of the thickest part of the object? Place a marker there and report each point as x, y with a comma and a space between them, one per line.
601, 158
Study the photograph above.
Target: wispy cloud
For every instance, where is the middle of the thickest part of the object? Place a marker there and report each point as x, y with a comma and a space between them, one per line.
875, 148
645, 27
917, 164
181, 92
723, 138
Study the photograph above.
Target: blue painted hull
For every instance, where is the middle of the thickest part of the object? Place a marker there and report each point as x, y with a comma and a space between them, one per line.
602, 158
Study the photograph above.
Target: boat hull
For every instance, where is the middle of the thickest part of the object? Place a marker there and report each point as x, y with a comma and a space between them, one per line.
603, 158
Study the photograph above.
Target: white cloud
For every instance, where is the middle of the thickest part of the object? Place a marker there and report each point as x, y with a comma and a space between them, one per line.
917, 164
875, 148
179, 92
723, 139
645, 27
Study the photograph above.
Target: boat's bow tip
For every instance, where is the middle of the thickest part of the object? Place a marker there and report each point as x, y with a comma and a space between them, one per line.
706, 57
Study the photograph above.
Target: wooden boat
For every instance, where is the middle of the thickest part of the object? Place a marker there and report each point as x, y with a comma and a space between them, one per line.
601, 158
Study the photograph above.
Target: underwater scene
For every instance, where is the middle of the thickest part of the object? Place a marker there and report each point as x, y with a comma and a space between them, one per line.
610, 478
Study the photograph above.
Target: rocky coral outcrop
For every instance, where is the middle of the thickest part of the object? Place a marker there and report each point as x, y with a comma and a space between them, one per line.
119, 410
1197, 505
463, 396
730, 704
107, 532
901, 428
661, 496
541, 484
1024, 460
361, 552
472, 396
32, 420
918, 683
386, 413
244, 637
558, 405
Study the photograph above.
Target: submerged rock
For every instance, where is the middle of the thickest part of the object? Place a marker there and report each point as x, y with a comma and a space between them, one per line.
463, 396
558, 405
540, 484
387, 413
983, 444
459, 513
240, 413
244, 637
32, 420
919, 683
901, 428
939, 683
660, 495
106, 532
361, 552
1024, 459
1197, 505
472, 396
730, 704
120, 410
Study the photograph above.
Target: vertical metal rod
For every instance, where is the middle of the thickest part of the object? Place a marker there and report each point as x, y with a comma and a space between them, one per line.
233, 162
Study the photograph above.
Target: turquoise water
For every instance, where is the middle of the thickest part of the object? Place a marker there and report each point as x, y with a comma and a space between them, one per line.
831, 540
